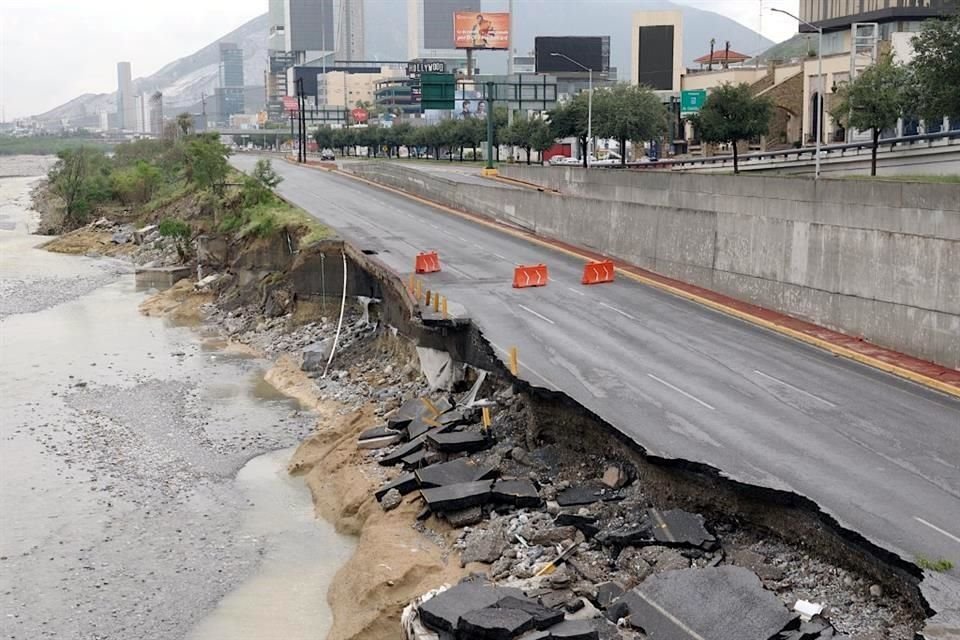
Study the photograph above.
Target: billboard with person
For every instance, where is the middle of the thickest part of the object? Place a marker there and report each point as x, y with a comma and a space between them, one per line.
478, 30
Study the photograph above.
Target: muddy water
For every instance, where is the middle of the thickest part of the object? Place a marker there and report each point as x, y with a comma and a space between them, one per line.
138, 494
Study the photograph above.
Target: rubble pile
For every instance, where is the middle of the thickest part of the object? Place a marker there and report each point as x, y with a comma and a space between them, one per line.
577, 537
152, 250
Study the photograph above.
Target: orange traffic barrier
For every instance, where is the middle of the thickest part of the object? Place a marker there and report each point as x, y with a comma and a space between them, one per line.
597, 272
530, 276
427, 262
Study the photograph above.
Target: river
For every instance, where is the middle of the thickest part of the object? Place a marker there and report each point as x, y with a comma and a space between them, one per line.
143, 484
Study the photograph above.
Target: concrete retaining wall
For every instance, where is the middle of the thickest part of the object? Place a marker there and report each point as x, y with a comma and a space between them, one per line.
877, 260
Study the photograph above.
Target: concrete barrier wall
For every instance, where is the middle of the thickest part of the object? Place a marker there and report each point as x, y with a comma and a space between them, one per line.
881, 261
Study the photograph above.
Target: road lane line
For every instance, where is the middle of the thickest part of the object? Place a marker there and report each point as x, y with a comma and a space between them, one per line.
623, 313
937, 529
539, 315
504, 258
797, 389
527, 367
679, 390
577, 291
669, 616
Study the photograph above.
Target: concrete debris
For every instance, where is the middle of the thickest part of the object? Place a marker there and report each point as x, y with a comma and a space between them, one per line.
492, 623
404, 450
443, 611
586, 494
420, 459
607, 592
543, 617
391, 500
439, 368
720, 603
417, 427
680, 528
807, 609
574, 630
454, 472
519, 493
614, 477
404, 484
142, 235
465, 517
483, 545
459, 441
378, 438
456, 497
315, 356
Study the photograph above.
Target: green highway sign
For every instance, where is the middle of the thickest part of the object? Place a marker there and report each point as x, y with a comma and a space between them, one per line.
437, 91
692, 101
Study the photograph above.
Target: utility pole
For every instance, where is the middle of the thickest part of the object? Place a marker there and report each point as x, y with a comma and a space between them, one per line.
589, 71
510, 59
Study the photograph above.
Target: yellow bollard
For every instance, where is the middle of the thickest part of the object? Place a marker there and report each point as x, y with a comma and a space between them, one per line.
486, 418
436, 303
429, 405
410, 286
427, 298
514, 361
444, 305
416, 288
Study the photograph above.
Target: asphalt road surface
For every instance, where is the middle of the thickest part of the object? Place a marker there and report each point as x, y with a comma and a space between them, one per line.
880, 454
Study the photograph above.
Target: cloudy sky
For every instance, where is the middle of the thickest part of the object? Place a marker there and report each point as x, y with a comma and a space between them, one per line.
53, 50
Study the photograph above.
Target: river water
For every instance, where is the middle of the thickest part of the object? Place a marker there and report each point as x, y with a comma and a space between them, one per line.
143, 485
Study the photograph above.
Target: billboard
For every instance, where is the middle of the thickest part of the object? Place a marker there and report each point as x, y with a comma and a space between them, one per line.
655, 63
593, 52
478, 30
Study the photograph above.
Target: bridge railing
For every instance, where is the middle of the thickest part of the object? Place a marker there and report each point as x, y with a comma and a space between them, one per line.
808, 154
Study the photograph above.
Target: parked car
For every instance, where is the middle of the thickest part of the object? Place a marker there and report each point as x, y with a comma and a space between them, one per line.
327, 155
571, 161
557, 159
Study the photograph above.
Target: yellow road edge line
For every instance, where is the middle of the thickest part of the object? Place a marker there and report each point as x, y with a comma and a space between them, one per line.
826, 345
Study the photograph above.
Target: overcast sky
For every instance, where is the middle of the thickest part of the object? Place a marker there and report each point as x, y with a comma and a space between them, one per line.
54, 50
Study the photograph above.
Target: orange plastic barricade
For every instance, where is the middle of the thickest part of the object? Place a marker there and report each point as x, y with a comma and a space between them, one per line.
597, 272
530, 276
427, 262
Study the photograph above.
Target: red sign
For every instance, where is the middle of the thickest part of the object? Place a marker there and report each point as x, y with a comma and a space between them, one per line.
359, 115
290, 104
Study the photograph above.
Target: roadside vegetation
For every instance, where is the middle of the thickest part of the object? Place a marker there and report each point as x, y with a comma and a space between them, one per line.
940, 565
48, 145
185, 184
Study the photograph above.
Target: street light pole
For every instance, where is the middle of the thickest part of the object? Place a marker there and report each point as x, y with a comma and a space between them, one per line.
589, 105
818, 110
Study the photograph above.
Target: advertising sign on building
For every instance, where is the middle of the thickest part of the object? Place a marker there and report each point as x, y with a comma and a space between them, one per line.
477, 30
359, 115
290, 104
417, 67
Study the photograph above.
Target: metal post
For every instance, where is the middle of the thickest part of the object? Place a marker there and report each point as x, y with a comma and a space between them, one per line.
490, 86
590, 118
819, 109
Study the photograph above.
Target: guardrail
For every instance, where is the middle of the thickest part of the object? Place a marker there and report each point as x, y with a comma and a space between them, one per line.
808, 154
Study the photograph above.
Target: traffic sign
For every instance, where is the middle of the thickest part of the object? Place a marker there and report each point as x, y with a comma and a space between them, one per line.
359, 115
438, 91
692, 101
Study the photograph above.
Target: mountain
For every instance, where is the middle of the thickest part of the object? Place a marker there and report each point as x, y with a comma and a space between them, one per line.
799, 46
183, 81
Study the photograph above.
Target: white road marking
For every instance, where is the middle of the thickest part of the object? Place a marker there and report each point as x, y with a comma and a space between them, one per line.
577, 291
539, 315
503, 258
623, 313
463, 239
937, 529
797, 389
525, 367
669, 616
681, 391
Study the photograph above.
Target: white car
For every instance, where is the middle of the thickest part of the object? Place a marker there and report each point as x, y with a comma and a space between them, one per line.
571, 161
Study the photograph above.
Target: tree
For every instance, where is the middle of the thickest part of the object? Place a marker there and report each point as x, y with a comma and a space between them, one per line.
936, 69
730, 114
541, 138
263, 171
80, 177
570, 119
628, 112
874, 100
185, 123
324, 137
205, 162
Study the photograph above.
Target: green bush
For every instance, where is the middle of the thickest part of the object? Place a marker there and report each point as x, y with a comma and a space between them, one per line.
940, 565
264, 173
255, 192
170, 228
136, 184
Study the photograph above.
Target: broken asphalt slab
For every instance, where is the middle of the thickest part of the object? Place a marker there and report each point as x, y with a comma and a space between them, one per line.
460, 441
719, 603
456, 497
519, 493
680, 528
586, 494
492, 623
543, 617
404, 483
443, 611
401, 452
454, 472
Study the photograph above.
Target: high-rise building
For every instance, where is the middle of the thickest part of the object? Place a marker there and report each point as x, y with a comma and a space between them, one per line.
430, 27
350, 30
126, 107
230, 92
657, 49
308, 28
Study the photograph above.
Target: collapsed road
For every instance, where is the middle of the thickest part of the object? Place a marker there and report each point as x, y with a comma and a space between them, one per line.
877, 453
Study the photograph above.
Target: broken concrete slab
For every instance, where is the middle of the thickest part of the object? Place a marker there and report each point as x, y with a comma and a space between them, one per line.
484, 545
378, 438
720, 603
464, 517
574, 630
586, 524
492, 623
681, 528
439, 368
443, 611
586, 494
417, 427
456, 497
409, 410
454, 472
314, 357
455, 418
459, 441
543, 617
397, 455
420, 459
607, 592
404, 483
629, 535
519, 493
